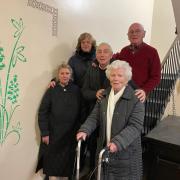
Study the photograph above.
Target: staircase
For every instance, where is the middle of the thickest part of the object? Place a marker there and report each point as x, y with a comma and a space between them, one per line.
160, 96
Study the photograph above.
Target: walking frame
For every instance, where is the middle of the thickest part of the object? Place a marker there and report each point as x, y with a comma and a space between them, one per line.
100, 160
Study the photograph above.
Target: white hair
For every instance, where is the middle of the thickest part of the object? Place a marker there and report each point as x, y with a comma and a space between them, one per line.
120, 64
106, 44
137, 24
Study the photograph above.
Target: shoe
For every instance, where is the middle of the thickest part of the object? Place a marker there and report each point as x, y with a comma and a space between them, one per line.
84, 177
87, 177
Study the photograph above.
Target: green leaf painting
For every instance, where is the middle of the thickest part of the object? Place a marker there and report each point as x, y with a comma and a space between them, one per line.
2, 65
9, 86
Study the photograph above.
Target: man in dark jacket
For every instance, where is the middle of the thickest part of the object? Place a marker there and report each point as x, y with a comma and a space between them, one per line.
95, 82
95, 79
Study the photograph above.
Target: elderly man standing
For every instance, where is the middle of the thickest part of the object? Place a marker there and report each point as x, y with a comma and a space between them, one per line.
143, 59
95, 79
95, 82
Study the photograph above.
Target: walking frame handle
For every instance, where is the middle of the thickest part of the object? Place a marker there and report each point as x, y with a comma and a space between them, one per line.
78, 158
100, 162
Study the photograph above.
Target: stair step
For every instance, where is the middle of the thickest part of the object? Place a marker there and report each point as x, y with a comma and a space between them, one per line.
166, 83
150, 122
154, 107
160, 94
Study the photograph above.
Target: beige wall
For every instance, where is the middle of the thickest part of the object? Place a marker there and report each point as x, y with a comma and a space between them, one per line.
18, 161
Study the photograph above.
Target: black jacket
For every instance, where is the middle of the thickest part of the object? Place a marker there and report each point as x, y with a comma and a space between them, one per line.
92, 83
79, 64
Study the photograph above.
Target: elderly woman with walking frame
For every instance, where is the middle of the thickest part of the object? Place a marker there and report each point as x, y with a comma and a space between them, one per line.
119, 116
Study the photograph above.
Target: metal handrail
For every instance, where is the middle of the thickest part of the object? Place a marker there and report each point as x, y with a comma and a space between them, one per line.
160, 96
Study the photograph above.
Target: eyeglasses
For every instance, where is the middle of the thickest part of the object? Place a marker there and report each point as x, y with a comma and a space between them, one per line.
138, 31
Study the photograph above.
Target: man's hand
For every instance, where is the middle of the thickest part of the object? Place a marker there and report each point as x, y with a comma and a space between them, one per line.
99, 94
140, 94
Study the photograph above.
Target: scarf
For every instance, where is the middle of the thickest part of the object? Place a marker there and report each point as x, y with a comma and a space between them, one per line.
112, 100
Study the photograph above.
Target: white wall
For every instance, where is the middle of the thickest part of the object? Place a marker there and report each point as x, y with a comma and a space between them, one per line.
163, 26
163, 35
106, 20
176, 5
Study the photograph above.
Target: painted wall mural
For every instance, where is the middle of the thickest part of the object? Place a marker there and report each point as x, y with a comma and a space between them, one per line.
9, 85
48, 9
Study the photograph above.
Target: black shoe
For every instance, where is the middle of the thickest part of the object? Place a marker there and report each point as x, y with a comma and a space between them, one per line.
88, 176
85, 177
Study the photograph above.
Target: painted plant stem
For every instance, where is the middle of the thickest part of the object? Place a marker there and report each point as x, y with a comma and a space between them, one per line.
11, 91
1, 98
6, 88
9, 68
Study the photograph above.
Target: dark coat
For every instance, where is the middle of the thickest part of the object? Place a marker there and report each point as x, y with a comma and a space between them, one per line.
58, 119
79, 63
92, 83
127, 124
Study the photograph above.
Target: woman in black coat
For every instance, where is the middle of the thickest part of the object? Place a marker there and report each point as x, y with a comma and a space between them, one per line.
58, 121
95, 83
83, 57
80, 61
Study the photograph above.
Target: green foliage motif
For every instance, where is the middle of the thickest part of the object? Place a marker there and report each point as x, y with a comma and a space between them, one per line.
9, 90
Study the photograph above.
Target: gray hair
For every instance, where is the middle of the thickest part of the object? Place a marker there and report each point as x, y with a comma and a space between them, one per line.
64, 66
104, 43
120, 64
137, 24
